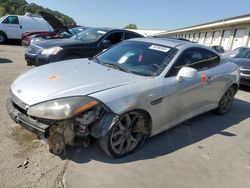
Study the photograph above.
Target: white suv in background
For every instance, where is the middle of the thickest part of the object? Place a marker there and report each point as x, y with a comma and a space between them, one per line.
13, 26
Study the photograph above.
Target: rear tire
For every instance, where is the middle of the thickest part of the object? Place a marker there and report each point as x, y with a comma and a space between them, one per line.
226, 101
127, 135
3, 38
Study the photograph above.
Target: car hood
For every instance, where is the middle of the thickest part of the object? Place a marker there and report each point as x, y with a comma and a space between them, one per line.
58, 42
36, 32
68, 78
54, 22
242, 62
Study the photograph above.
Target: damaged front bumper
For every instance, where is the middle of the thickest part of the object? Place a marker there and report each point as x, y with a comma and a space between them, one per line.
20, 116
40, 127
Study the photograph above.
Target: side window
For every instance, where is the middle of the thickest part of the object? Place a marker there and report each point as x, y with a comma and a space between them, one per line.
115, 37
11, 20
210, 59
197, 58
129, 35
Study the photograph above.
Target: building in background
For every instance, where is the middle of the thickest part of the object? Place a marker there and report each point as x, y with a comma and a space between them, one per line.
230, 33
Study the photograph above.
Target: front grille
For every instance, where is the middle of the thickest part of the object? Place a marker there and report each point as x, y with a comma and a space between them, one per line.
245, 71
33, 50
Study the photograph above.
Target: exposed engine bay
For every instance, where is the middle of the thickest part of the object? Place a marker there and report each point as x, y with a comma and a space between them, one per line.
81, 130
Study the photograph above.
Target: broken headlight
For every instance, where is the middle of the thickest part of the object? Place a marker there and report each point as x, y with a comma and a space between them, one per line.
64, 108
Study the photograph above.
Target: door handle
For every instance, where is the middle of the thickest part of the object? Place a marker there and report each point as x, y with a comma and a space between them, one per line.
21, 27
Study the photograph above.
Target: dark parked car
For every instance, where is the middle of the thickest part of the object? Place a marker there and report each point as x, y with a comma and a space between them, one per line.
59, 31
83, 45
243, 61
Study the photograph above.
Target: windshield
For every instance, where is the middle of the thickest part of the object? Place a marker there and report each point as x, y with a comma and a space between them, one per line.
240, 49
139, 58
90, 35
244, 54
76, 30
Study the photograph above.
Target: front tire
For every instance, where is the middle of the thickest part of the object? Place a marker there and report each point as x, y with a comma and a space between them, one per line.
126, 135
226, 101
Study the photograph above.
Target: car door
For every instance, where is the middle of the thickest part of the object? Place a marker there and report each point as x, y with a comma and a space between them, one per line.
110, 40
192, 94
215, 79
12, 27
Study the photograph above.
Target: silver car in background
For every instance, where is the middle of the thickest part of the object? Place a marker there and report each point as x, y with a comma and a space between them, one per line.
124, 95
234, 52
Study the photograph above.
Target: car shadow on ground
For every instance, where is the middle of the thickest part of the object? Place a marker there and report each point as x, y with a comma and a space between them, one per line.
245, 88
13, 42
3, 60
183, 135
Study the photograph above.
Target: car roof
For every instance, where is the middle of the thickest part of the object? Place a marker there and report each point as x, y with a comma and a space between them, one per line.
104, 28
174, 43
164, 41
107, 29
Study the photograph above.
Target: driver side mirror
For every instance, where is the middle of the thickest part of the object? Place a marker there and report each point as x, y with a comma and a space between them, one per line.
186, 73
106, 43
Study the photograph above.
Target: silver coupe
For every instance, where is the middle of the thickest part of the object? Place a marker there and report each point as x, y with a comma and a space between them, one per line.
124, 95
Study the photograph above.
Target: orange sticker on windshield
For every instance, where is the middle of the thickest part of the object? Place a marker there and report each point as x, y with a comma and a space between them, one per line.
52, 77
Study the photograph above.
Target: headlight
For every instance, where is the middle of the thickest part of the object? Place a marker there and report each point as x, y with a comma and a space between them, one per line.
63, 108
35, 40
51, 51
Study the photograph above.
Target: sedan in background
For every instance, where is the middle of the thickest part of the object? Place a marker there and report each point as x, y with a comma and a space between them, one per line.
83, 45
234, 52
126, 94
59, 30
243, 61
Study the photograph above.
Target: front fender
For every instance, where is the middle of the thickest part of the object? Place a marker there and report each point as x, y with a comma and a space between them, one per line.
101, 128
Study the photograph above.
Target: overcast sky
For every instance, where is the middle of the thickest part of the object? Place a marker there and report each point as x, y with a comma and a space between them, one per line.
147, 14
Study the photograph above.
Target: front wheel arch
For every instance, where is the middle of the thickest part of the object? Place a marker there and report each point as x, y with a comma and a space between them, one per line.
149, 119
147, 115
102, 127
105, 141
235, 86
4, 35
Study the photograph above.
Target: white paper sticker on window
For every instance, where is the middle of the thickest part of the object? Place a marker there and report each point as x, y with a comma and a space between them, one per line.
159, 48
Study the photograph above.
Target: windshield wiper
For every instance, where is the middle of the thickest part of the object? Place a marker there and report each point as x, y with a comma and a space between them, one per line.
77, 36
115, 66
110, 65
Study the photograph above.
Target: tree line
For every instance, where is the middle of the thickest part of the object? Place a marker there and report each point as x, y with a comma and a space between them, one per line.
20, 7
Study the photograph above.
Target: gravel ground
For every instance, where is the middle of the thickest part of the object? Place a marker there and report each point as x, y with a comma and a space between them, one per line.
206, 151
18, 145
